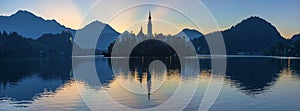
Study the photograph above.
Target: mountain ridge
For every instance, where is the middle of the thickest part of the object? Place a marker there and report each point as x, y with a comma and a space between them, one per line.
32, 26
250, 36
238, 39
65, 28
22, 20
295, 37
91, 32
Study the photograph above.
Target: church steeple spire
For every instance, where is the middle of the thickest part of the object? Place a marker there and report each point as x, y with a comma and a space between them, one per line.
149, 26
149, 15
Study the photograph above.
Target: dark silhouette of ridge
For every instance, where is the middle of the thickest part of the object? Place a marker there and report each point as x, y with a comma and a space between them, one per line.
251, 36
29, 25
295, 37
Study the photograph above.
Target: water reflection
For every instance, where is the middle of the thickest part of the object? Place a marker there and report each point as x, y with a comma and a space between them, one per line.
295, 67
38, 83
253, 75
144, 83
25, 80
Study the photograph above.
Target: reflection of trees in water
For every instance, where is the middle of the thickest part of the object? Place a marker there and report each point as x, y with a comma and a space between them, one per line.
12, 71
253, 75
171, 63
295, 66
39, 75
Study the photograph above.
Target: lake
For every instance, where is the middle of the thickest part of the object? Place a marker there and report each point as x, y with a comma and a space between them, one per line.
250, 83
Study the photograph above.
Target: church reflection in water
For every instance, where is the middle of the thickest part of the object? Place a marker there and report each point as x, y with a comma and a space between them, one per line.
143, 72
26, 81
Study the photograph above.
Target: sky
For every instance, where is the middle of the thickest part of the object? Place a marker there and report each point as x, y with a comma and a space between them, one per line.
284, 14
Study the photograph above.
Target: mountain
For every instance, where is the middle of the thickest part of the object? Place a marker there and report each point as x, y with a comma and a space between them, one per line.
29, 25
251, 36
96, 30
190, 33
295, 38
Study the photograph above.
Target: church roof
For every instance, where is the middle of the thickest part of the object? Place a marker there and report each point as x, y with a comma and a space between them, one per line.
141, 34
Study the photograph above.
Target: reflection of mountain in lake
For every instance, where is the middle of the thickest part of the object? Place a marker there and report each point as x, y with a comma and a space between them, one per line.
26, 79
30, 80
90, 70
253, 75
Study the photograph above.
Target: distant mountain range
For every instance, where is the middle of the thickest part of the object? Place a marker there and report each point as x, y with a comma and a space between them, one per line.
31, 26
253, 35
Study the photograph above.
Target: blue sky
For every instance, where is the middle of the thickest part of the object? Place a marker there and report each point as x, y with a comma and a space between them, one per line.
284, 14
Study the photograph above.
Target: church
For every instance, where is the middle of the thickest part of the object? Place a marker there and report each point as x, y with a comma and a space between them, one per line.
149, 32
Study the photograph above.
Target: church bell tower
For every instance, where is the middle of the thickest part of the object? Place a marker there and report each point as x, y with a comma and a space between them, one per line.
149, 26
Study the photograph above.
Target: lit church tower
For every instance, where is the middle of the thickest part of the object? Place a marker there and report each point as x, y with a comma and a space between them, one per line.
149, 26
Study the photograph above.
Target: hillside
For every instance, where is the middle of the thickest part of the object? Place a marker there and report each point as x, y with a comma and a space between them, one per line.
251, 36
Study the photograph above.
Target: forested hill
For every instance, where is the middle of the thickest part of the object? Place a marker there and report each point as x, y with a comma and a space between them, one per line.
13, 45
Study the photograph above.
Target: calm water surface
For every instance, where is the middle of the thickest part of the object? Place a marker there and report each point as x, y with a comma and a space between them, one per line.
251, 83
